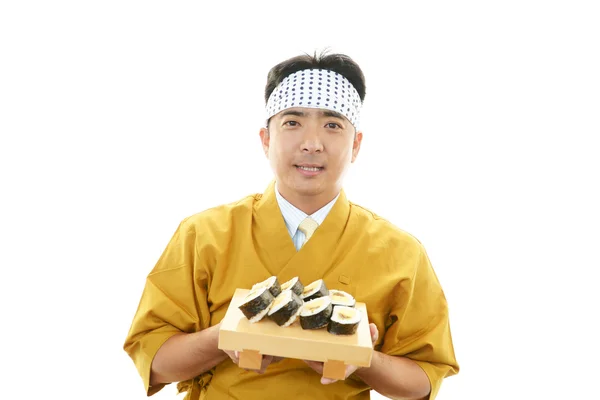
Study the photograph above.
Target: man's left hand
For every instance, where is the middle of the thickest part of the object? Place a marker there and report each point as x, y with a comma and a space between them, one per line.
350, 369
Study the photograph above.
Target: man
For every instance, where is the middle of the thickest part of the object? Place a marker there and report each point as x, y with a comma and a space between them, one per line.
302, 225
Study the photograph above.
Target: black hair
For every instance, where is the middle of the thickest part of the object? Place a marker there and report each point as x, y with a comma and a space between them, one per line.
340, 63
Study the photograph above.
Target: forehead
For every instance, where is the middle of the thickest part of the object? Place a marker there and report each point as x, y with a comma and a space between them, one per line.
310, 113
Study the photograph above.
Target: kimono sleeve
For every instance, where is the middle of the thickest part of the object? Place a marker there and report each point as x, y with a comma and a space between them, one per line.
174, 300
420, 328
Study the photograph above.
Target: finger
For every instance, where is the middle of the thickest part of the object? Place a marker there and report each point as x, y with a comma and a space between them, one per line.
232, 356
350, 370
374, 332
315, 365
266, 360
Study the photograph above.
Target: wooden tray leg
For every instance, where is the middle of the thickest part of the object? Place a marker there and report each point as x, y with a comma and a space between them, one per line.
334, 369
250, 359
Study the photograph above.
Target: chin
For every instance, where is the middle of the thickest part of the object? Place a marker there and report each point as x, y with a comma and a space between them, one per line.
310, 188
306, 186
309, 191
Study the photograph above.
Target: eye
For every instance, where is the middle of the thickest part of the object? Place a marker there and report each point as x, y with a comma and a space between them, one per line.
291, 123
333, 125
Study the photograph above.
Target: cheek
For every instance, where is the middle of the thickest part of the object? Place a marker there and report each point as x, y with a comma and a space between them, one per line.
280, 151
342, 154
285, 148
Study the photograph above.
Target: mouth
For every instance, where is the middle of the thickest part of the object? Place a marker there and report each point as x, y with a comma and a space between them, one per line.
309, 169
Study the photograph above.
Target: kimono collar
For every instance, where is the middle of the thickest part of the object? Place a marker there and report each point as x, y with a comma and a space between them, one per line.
293, 216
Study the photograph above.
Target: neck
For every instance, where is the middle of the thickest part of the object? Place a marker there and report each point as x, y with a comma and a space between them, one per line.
309, 204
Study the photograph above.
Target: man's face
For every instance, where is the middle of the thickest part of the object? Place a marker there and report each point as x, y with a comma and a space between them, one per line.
310, 151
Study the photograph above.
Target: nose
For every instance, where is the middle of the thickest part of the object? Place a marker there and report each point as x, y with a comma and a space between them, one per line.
311, 142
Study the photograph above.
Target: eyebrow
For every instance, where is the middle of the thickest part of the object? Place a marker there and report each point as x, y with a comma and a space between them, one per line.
324, 113
334, 114
292, 112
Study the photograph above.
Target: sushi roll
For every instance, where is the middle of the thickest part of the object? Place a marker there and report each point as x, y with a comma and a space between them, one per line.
315, 313
314, 290
341, 298
285, 308
257, 303
294, 285
272, 283
344, 320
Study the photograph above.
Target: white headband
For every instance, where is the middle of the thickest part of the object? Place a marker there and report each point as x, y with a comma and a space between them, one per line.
316, 88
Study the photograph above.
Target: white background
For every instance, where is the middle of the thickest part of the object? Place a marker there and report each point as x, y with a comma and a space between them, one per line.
120, 118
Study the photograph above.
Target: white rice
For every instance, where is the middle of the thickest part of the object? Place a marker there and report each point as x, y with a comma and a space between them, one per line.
353, 313
312, 288
339, 297
284, 298
322, 302
260, 315
254, 293
293, 318
266, 283
290, 283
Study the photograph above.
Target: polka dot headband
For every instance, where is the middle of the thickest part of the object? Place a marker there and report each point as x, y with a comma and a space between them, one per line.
316, 88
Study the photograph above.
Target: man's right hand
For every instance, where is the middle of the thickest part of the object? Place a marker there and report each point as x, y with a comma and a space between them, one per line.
266, 360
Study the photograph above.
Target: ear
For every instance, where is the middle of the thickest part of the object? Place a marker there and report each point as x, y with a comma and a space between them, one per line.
265, 139
356, 145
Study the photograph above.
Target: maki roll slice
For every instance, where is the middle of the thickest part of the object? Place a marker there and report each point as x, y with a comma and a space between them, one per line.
315, 313
285, 308
344, 320
294, 285
314, 290
257, 303
341, 298
272, 283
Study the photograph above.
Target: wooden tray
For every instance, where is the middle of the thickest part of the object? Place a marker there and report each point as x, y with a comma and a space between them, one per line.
267, 338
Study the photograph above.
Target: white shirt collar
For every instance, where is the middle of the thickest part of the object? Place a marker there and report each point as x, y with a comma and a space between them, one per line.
294, 216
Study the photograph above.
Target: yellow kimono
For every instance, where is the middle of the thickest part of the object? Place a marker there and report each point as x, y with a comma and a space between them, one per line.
237, 245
